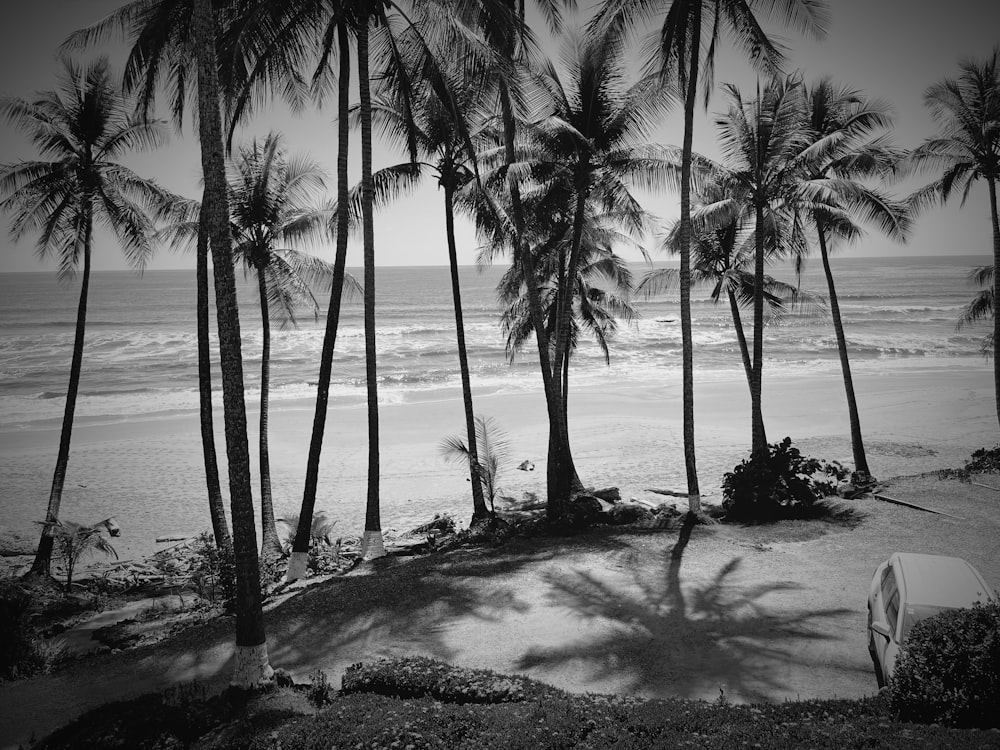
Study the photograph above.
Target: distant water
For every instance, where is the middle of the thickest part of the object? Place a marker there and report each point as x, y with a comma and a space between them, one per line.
140, 355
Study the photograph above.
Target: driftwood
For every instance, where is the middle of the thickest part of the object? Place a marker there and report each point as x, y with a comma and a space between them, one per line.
980, 484
669, 493
886, 498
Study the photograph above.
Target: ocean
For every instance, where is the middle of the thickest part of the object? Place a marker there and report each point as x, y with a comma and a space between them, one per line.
140, 360
140, 352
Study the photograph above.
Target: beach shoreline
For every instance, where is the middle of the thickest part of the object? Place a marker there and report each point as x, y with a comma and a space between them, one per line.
625, 432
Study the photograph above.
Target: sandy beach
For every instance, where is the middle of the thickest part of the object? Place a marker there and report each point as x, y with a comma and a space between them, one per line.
147, 471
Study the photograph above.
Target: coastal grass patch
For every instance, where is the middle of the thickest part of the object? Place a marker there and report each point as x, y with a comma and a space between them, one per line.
438, 714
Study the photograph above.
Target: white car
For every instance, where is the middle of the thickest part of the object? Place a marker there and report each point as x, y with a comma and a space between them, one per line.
907, 588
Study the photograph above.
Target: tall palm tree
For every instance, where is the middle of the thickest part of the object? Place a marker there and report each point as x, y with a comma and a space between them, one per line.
161, 30
269, 197
168, 37
445, 153
764, 142
252, 666
81, 130
841, 121
967, 111
679, 57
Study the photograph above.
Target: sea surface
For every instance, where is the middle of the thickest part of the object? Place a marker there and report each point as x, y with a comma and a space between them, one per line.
140, 352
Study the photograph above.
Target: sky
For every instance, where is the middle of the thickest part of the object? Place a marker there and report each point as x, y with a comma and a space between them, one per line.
889, 49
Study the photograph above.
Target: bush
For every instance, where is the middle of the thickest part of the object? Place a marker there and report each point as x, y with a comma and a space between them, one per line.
983, 461
949, 669
18, 653
782, 486
419, 677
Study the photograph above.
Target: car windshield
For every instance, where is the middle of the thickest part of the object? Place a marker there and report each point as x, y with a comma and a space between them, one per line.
915, 614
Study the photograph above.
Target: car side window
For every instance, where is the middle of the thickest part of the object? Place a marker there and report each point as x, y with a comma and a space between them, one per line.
892, 609
888, 584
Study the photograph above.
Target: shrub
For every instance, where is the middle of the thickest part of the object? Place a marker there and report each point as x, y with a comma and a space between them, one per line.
214, 572
949, 669
983, 461
18, 654
320, 692
781, 486
419, 677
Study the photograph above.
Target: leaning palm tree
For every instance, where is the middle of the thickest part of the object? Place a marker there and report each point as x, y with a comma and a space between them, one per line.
81, 131
967, 110
841, 122
678, 56
177, 39
269, 197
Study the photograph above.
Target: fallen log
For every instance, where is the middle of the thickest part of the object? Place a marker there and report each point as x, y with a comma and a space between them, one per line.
887, 499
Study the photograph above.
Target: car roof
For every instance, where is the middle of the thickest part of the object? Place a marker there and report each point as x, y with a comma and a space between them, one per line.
939, 580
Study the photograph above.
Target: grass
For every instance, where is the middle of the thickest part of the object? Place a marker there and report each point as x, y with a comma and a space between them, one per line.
532, 716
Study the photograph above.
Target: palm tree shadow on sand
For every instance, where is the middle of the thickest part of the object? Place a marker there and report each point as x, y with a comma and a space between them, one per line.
665, 641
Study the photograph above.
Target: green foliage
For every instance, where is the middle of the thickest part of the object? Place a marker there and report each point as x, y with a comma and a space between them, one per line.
492, 450
949, 669
19, 655
782, 486
983, 461
418, 677
320, 692
214, 573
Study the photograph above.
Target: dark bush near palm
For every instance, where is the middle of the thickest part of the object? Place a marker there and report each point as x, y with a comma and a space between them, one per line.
949, 669
783, 485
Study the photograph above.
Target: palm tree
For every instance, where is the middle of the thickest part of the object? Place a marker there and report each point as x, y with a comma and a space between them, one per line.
269, 195
967, 109
82, 129
840, 121
723, 251
980, 307
679, 56
763, 142
447, 155
161, 29
168, 37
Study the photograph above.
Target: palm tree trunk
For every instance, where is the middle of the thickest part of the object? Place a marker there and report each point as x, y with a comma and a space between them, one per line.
371, 545
687, 341
741, 337
857, 443
42, 564
479, 510
560, 471
216, 507
300, 547
996, 290
759, 440
252, 668
270, 545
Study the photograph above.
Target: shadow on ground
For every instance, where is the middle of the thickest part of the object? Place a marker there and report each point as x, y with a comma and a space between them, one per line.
661, 639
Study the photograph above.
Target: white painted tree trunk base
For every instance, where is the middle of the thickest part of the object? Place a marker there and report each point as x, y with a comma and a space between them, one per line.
253, 670
694, 504
297, 565
372, 545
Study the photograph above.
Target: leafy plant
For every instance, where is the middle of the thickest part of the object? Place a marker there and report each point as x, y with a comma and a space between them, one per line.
949, 669
320, 692
214, 574
781, 486
72, 541
320, 531
493, 449
983, 461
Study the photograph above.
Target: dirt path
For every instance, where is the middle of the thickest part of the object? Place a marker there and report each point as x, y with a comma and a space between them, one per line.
760, 613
